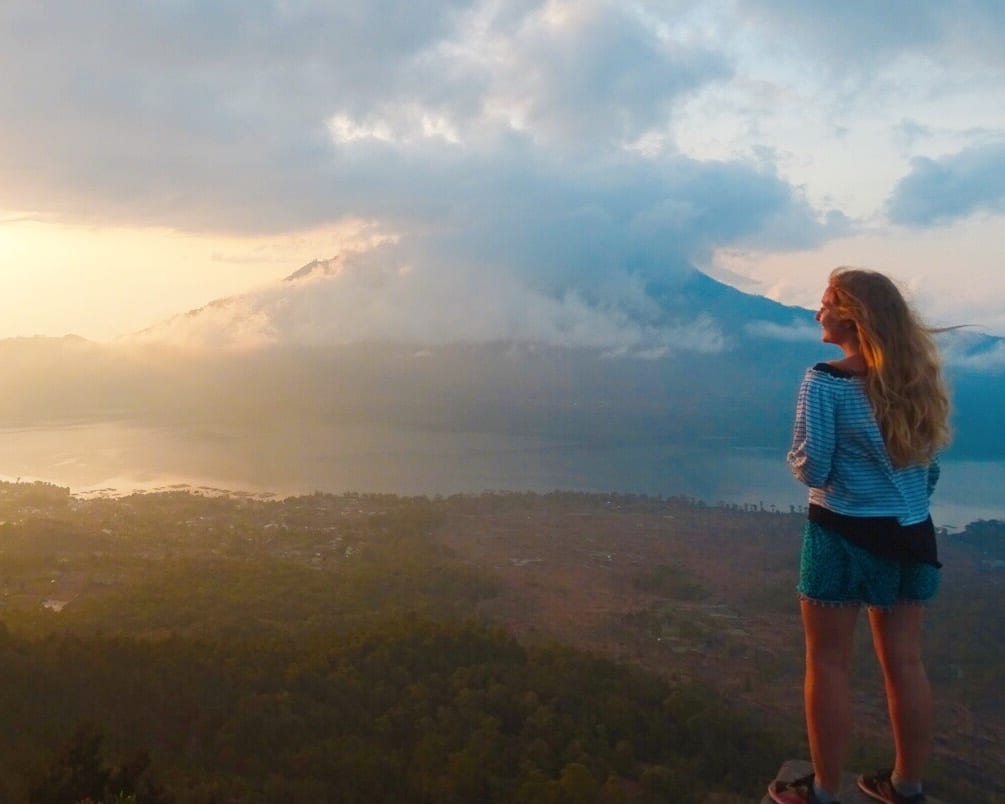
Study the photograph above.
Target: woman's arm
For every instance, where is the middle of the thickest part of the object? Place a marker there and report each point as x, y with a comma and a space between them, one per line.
813, 437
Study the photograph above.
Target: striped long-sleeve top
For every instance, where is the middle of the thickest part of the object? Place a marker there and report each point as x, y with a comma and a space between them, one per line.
838, 451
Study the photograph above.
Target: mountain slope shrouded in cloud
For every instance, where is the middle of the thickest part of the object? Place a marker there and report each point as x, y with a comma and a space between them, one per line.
337, 302
339, 366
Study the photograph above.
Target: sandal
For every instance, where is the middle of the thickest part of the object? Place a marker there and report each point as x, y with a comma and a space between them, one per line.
798, 791
880, 787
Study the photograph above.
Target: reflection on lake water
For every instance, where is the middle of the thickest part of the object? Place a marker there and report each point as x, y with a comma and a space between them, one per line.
290, 458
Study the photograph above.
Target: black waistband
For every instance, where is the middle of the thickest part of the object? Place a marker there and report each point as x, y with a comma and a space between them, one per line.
882, 535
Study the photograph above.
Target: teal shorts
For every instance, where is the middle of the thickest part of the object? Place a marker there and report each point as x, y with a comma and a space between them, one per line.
834, 571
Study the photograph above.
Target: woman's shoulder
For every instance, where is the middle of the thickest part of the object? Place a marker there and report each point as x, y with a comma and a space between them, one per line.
830, 381
839, 369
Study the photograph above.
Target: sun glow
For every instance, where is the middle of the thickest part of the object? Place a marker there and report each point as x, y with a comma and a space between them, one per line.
103, 282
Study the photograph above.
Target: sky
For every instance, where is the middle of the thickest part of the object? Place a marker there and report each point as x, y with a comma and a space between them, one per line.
499, 167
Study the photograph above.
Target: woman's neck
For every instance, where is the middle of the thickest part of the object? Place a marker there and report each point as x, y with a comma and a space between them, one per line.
853, 361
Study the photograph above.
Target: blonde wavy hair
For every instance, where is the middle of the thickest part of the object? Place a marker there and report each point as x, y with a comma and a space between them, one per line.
904, 380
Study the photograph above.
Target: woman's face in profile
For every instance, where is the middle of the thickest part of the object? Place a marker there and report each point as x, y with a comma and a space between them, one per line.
832, 328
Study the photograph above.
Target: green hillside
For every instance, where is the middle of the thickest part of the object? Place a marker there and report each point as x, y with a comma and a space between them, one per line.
188, 647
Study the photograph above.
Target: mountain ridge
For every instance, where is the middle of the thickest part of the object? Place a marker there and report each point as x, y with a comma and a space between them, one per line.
338, 301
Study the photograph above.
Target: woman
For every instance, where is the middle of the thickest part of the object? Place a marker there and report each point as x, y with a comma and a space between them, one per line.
868, 428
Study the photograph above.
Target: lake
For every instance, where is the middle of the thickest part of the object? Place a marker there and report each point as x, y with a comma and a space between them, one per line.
117, 457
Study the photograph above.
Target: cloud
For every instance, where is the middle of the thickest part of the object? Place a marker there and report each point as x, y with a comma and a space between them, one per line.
970, 349
223, 117
365, 299
797, 331
494, 142
190, 114
990, 360
536, 145
271, 117
859, 34
591, 72
951, 188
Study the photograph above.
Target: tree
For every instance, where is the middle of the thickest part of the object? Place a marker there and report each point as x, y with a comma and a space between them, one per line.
78, 774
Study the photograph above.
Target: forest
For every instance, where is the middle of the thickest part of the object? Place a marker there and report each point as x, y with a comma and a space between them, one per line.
187, 646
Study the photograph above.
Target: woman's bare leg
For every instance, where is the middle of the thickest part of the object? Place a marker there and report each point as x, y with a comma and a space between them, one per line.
896, 636
829, 632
